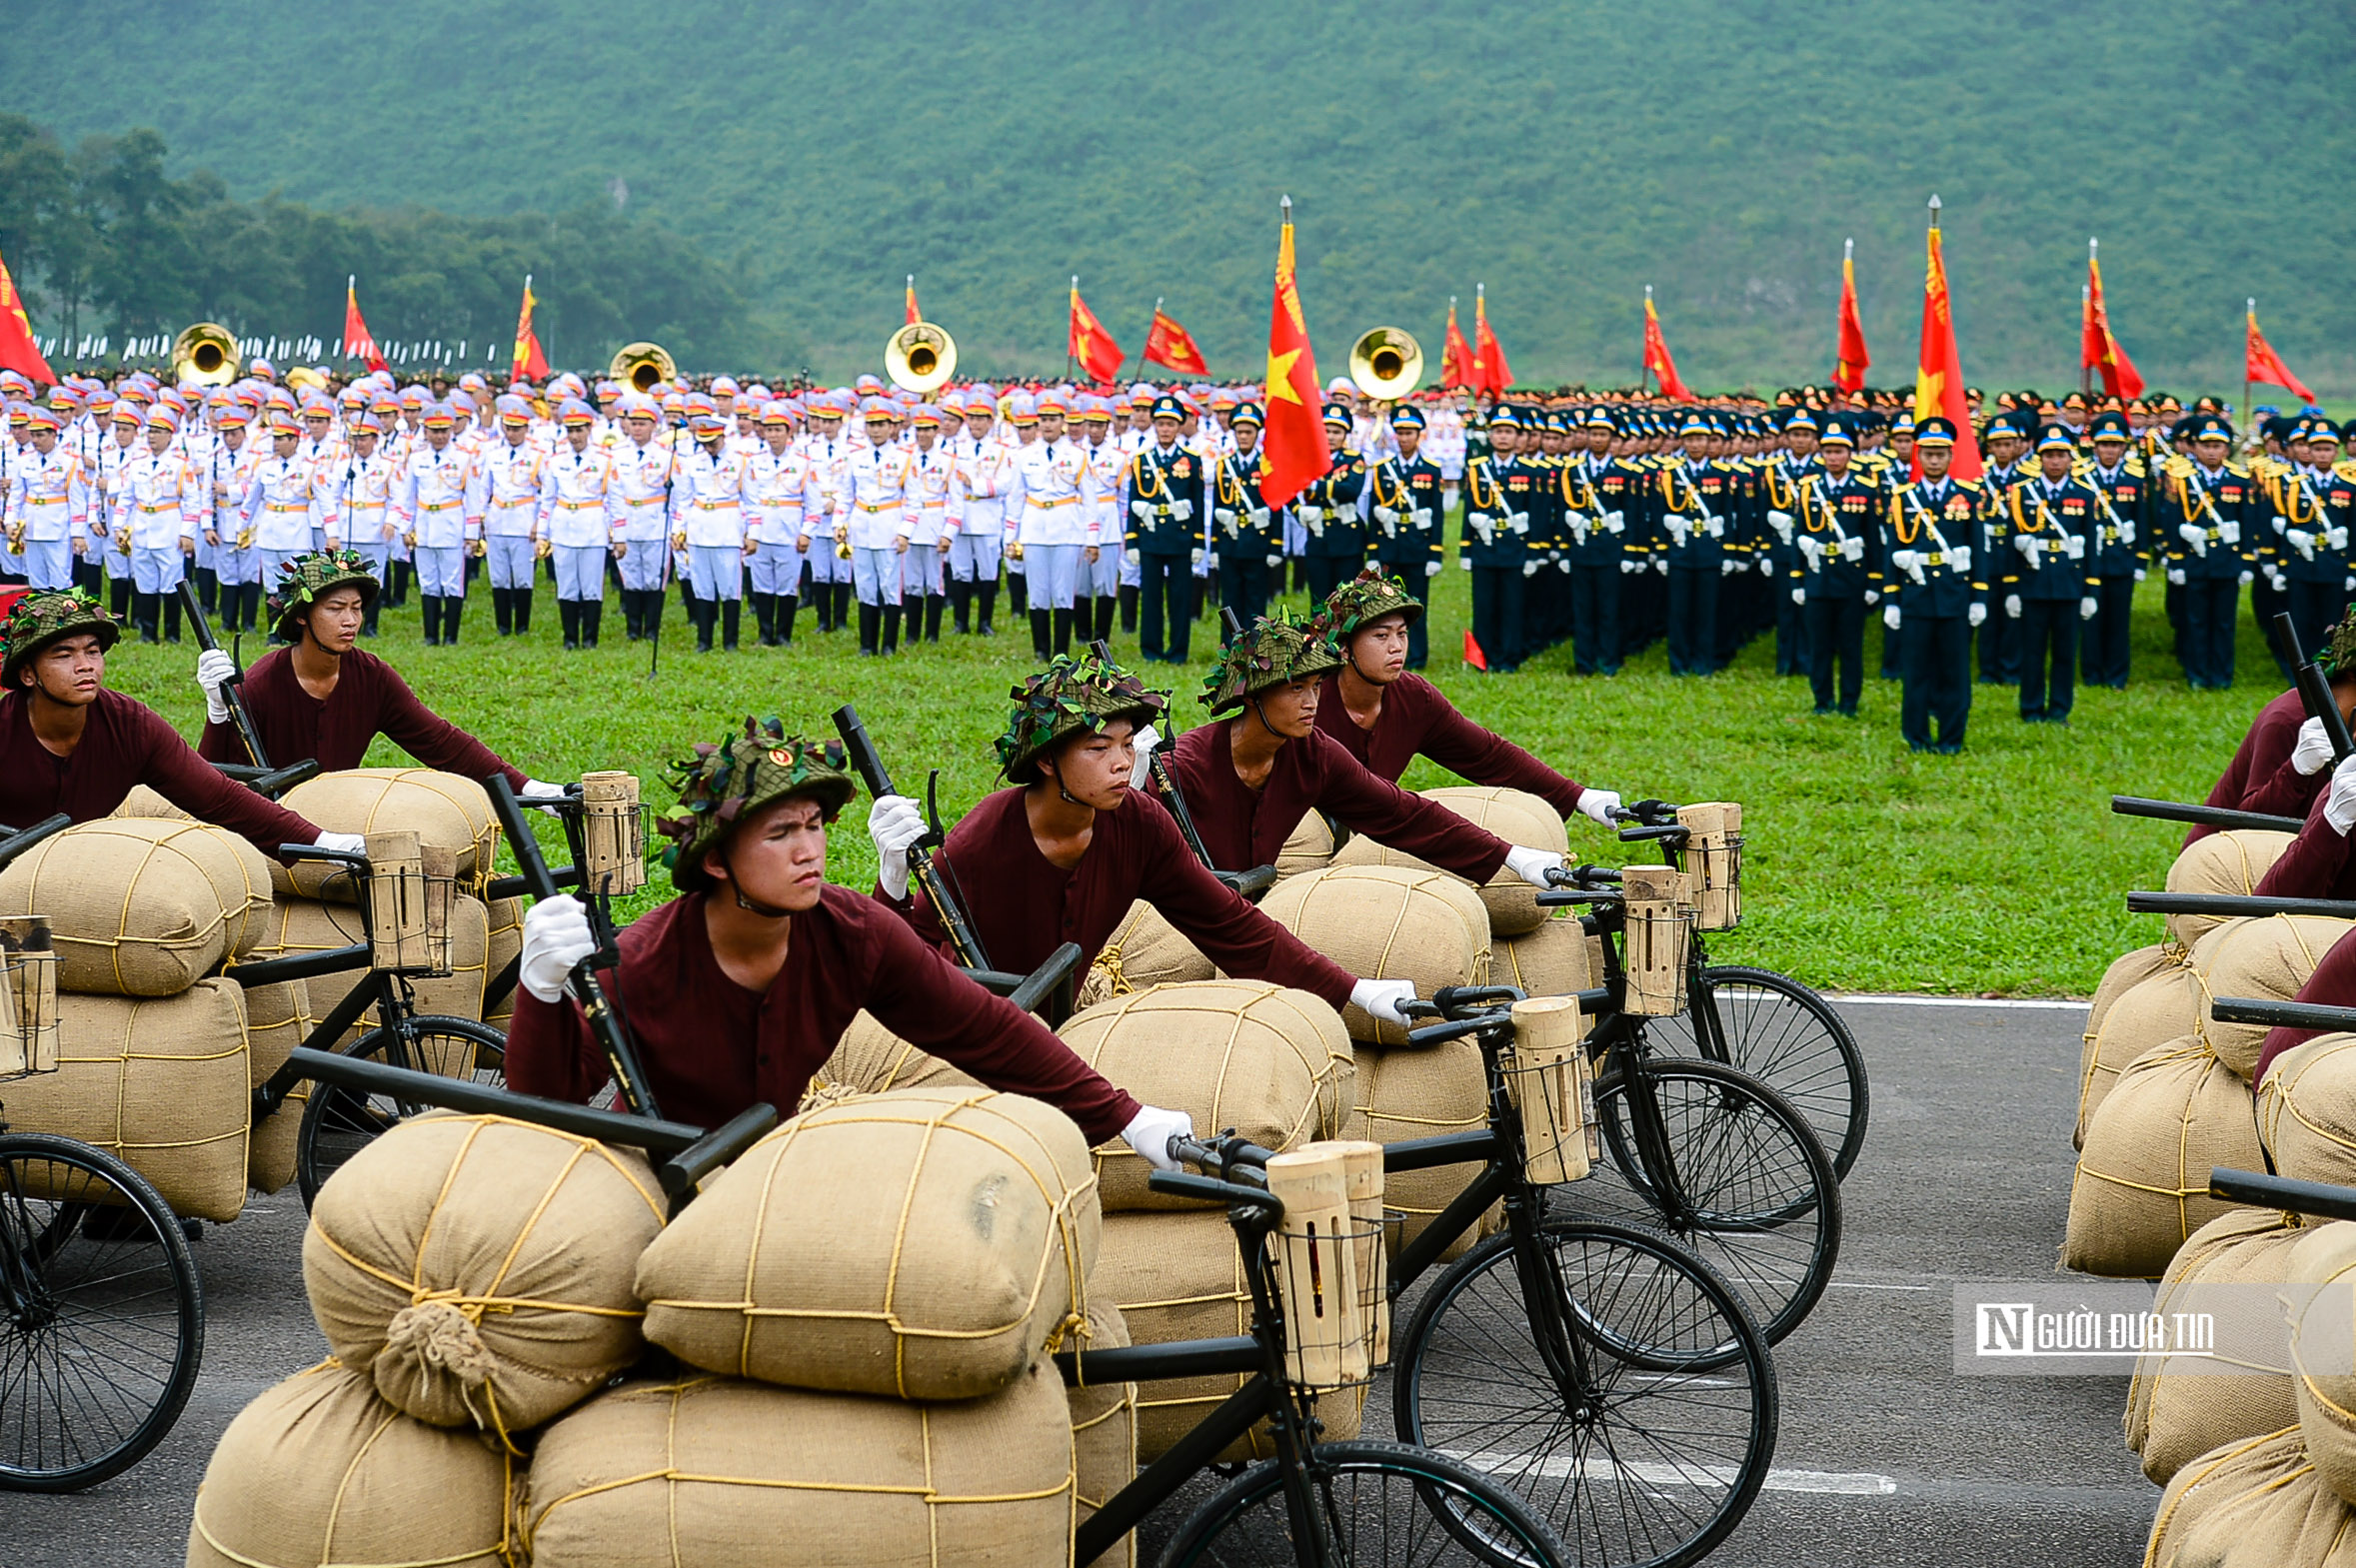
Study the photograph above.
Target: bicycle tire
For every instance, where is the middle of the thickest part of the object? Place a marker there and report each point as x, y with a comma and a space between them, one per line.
338, 1122
1796, 1044
1762, 1206
1429, 1512
1613, 1487
101, 1339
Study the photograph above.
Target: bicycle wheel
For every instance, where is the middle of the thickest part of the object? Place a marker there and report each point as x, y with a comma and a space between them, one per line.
1643, 1436
339, 1122
1375, 1502
102, 1327
1788, 1037
1748, 1189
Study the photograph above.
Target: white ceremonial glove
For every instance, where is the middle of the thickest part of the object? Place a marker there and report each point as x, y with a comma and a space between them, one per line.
1530, 568
2340, 808
2088, 607
1660, 564
2335, 538
1421, 517
1182, 510
2177, 575
1767, 566
2140, 575
1209, 562
2247, 578
1977, 615
894, 822
1598, 805
1150, 1131
1311, 514
1728, 567
1431, 568
2126, 533
1718, 528
1144, 739
1531, 865
1259, 515
1466, 562
1800, 596
1630, 567
1959, 557
2192, 534
1385, 515
1872, 598
213, 672
1379, 999
1520, 521
1194, 558
1140, 510
1852, 550
2302, 542
2026, 543
1903, 560
1616, 522
2279, 582
2312, 750
1563, 564
2012, 607
1781, 522
345, 844
1224, 517
1274, 562
2230, 533
1677, 525
555, 937
1811, 551
1889, 617
535, 792
2076, 545
1578, 522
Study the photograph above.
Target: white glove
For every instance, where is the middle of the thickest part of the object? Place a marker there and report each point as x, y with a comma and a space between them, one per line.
1800, 596
1616, 522
2336, 538
1728, 567
2340, 808
1312, 514
2302, 542
346, 844
2192, 534
213, 672
2140, 573
1224, 517
1140, 510
1767, 566
1903, 560
2012, 607
1889, 617
1630, 567
1150, 1131
2126, 533
1660, 564
555, 937
2177, 575
1194, 558
1872, 598
1520, 521
1379, 999
536, 792
1182, 510
1852, 550
2247, 578
2026, 543
2076, 545
1431, 569
1977, 615
2088, 607
1781, 522
1677, 525
2312, 750
1576, 521
1598, 804
1718, 528
894, 823
1274, 562
1385, 515
1144, 739
1531, 865
1259, 515
2230, 532
1466, 562
1529, 568
1959, 557
1421, 517
1209, 562
2279, 582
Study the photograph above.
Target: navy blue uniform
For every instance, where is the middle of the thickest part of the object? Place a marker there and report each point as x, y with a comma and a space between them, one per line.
2122, 533
1935, 577
1248, 536
1330, 510
1780, 480
2046, 584
1406, 508
2207, 522
2310, 515
1840, 522
1499, 495
1698, 506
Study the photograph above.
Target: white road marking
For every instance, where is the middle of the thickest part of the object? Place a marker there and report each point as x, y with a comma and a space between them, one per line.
1856, 1285
2028, 1003
1597, 1471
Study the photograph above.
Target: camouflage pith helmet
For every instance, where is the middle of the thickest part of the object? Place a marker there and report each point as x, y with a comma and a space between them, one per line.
1071, 696
1271, 652
739, 775
1369, 596
307, 579
44, 616
2338, 656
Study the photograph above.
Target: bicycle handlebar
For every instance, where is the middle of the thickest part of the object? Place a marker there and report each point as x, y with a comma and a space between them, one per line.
683, 1171
2300, 1197
1656, 831
2282, 1014
21, 840
355, 859
2233, 905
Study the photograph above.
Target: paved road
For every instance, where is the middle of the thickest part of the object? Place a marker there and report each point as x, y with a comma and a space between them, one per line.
1965, 1178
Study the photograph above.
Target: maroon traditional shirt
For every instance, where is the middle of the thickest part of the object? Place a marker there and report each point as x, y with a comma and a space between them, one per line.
126, 743
370, 700
1023, 905
2317, 863
2333, 983
710, 1048
1418, 720
1244, 827
2266, 747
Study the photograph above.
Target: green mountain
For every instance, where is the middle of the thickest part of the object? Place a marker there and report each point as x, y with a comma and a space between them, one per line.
793, 162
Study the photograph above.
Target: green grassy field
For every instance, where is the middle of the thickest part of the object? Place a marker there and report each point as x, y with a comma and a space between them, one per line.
1870, 869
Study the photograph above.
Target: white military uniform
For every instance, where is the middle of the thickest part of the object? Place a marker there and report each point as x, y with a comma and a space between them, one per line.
437, 501
937, 496
159, 506
1046, 508
780, 491
575, 497
284, 504
511, 509
708, 507
877, 510
638, 498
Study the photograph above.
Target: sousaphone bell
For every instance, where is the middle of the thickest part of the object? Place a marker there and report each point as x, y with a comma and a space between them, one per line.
643, 367
920, 358
204, 355
1386, 363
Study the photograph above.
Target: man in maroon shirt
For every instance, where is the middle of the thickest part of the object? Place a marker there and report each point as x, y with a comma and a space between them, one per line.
69, 745
739, 989
1249, 779
2333, 985
2317, 865
320, 698
1061, 857
1387, 718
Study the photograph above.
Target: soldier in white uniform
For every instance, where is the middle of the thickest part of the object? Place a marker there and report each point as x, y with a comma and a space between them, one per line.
779, 492
284, 502
1045, 506
510, 470
436, 501
365, 508
708, 522
575, 485
159, 504
1102, 576
984, 471
637, 507
830, 448
874, 513
236, 562
49, 504
118, 446
934, 491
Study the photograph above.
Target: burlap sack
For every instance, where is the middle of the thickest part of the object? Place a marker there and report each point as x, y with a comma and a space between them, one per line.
2307, 1111
716, 1473
1273, 1063
2095, 1073
161, 1081
140, 906
871, 1059
2326, 1394
1423, 1094
321, 1473
442, 810
1179, 1277
2149, 1015
1103, 1428
1514, 815
297, 925
278, 1018
480, 1270
2269, 958
1309, 848
1387, 922
2207, 1485
1547, 960
143, 801
2142, 1184
926, 1244
2232, 862
503, 944
2180, 1408
1145, 949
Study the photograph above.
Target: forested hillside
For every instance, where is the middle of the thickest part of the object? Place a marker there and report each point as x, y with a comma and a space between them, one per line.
758, 179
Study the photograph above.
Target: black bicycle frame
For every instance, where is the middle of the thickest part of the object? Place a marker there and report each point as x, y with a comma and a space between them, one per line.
377, 990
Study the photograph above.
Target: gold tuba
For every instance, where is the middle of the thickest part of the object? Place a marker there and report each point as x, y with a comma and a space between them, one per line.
1386, 363
204, 355
920, 357
643, 366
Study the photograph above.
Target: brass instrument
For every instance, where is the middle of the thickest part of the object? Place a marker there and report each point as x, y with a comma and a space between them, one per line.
204, 355
920, 357
1386, 363
643, 366
307, 378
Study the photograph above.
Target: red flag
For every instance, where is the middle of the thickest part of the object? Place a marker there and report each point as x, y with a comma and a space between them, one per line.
1473, 654
2259, 361
1490, 369
529, 360
914, 315
359, 341
1098, 356
1294, 437
1938, 374
1851, 359
18, 351
1656, 355
1455, 359
2099, 347
1167, 343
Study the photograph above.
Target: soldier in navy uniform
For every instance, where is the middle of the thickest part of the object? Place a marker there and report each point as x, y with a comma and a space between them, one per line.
1699, 506
1936, 593
1330, 511
1839, 540
2047, 573
1162, 496
2121, 535
1246, 534
2311, 508
1405, 496
1781, 479
1498, 500
2207, 519
1598, 550
2000, 638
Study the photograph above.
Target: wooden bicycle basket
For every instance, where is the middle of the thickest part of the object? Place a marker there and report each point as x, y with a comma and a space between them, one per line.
613, 834
1552, 1081
1659, 928
1713, 859
28, 997
1326, 1271
410, 892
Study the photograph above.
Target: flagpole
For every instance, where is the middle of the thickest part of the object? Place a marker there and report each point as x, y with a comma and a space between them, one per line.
1141, 370
1069, 307
1644, 381
2086, 311
2252, 315
1848, 258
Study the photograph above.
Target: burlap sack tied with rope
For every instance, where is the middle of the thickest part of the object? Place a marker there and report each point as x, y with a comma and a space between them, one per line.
2321, 1274
1309, 848
2258, 1503
921, 1245
2269, 958
2099, 1069
1550, 959
1272, 1063
278, 1018
1387, 922
2231, 862
445, 811
141, 906
1144, 950
2180, 1408
2164, 1007
871, 1059
479, 1269
2142, 1183
301, 925
1514, 815
1104, 1426
320, 1472
1423, 1093
716, 1473
2307, 1111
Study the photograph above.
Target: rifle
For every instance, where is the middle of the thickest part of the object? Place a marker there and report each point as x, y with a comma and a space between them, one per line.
921, 868
1158, 765
2315, 690
237, 703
